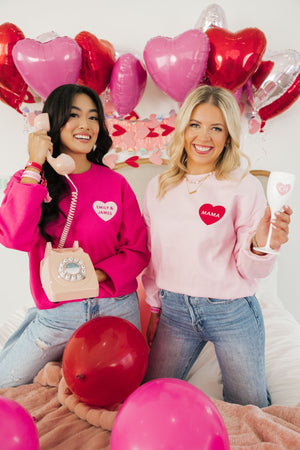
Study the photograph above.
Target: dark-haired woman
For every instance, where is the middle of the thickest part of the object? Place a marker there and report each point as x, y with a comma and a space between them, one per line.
107, 224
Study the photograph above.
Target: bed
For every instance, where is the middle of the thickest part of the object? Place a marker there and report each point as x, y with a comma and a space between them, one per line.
63, 422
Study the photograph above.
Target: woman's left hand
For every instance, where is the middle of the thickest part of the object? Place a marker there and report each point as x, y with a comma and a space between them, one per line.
101, 276
280, 228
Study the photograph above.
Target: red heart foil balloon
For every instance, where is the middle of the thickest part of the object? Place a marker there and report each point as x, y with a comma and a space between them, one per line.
234, 57
98, 58
282, 103
262, 73
12, 86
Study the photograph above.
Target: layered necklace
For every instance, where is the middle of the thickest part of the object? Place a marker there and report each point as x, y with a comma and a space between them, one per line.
193, 186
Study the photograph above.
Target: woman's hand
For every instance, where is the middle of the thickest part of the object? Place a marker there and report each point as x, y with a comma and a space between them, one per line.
152, 327
280, 228
101, 276
39, 143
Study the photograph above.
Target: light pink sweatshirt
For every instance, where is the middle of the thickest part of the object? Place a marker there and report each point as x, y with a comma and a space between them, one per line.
107, 224
200, 243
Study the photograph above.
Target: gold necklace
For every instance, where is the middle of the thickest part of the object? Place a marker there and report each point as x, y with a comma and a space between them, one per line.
197, 183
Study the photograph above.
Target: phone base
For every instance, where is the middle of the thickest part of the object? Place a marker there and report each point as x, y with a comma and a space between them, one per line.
68, 274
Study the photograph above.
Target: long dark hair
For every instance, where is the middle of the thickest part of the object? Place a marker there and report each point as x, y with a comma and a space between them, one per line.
58, 106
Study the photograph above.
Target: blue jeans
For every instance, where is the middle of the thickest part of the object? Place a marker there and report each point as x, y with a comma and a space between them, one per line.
236, 329
44, 334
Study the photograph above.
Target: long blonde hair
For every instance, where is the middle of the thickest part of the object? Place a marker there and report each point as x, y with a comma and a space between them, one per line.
229, 159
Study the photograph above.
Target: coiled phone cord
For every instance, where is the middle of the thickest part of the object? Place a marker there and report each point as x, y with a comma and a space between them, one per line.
70, 216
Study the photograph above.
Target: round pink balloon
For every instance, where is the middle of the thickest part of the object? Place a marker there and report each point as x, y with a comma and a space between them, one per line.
177, 65
17, 428
168, 413
46, 65
127, 83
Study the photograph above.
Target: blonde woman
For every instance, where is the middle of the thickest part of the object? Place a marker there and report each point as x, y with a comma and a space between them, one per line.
204, 216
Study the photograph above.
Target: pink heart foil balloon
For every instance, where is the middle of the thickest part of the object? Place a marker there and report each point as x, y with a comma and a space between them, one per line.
177, 65
127, 83
46, 65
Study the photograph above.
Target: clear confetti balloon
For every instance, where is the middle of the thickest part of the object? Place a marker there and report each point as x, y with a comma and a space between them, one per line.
212, 16
281, 78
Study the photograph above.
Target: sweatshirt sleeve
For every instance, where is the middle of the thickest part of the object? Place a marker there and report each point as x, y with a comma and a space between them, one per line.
20, 214
153, 297
250, 211
132, 256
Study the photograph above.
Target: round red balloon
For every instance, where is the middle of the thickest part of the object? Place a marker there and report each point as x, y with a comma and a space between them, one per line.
98, 58
105, 360
234, 57
12, 86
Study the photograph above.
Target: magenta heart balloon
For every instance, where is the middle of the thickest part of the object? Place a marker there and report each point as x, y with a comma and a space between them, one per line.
47, 65
177, 65
127, 83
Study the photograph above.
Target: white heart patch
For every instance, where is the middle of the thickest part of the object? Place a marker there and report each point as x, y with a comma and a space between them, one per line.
105, 211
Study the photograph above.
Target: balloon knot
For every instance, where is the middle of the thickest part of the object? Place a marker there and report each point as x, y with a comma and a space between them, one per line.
81, 376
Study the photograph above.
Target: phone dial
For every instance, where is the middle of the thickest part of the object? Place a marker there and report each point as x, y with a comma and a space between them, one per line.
66, 273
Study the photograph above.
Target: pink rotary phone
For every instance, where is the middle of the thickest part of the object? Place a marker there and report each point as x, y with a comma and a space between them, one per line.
66, 273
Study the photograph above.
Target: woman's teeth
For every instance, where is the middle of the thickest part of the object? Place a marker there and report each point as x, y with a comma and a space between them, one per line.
202, 149
81, 136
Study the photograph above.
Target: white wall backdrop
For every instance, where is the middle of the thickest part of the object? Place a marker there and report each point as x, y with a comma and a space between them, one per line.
128, 25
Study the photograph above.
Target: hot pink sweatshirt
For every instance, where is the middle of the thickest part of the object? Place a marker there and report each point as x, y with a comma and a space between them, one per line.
200, 243
107, 224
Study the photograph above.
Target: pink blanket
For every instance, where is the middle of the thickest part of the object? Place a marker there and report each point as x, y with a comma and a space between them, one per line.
63, 422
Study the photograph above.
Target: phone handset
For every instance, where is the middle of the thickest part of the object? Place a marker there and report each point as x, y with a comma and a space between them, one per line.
63, 164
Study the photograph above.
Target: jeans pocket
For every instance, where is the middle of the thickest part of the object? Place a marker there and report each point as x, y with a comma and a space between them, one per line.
218, 301
132, 296
122, 297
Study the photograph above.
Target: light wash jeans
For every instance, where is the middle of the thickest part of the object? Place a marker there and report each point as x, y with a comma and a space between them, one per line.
236, 329
44, 334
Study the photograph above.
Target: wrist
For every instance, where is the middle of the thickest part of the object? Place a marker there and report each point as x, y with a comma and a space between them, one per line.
32, 175
101, 276
155, 310
254, 243
33, 165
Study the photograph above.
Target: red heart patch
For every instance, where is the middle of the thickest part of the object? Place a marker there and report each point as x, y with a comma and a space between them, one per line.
211, 214
234, 57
